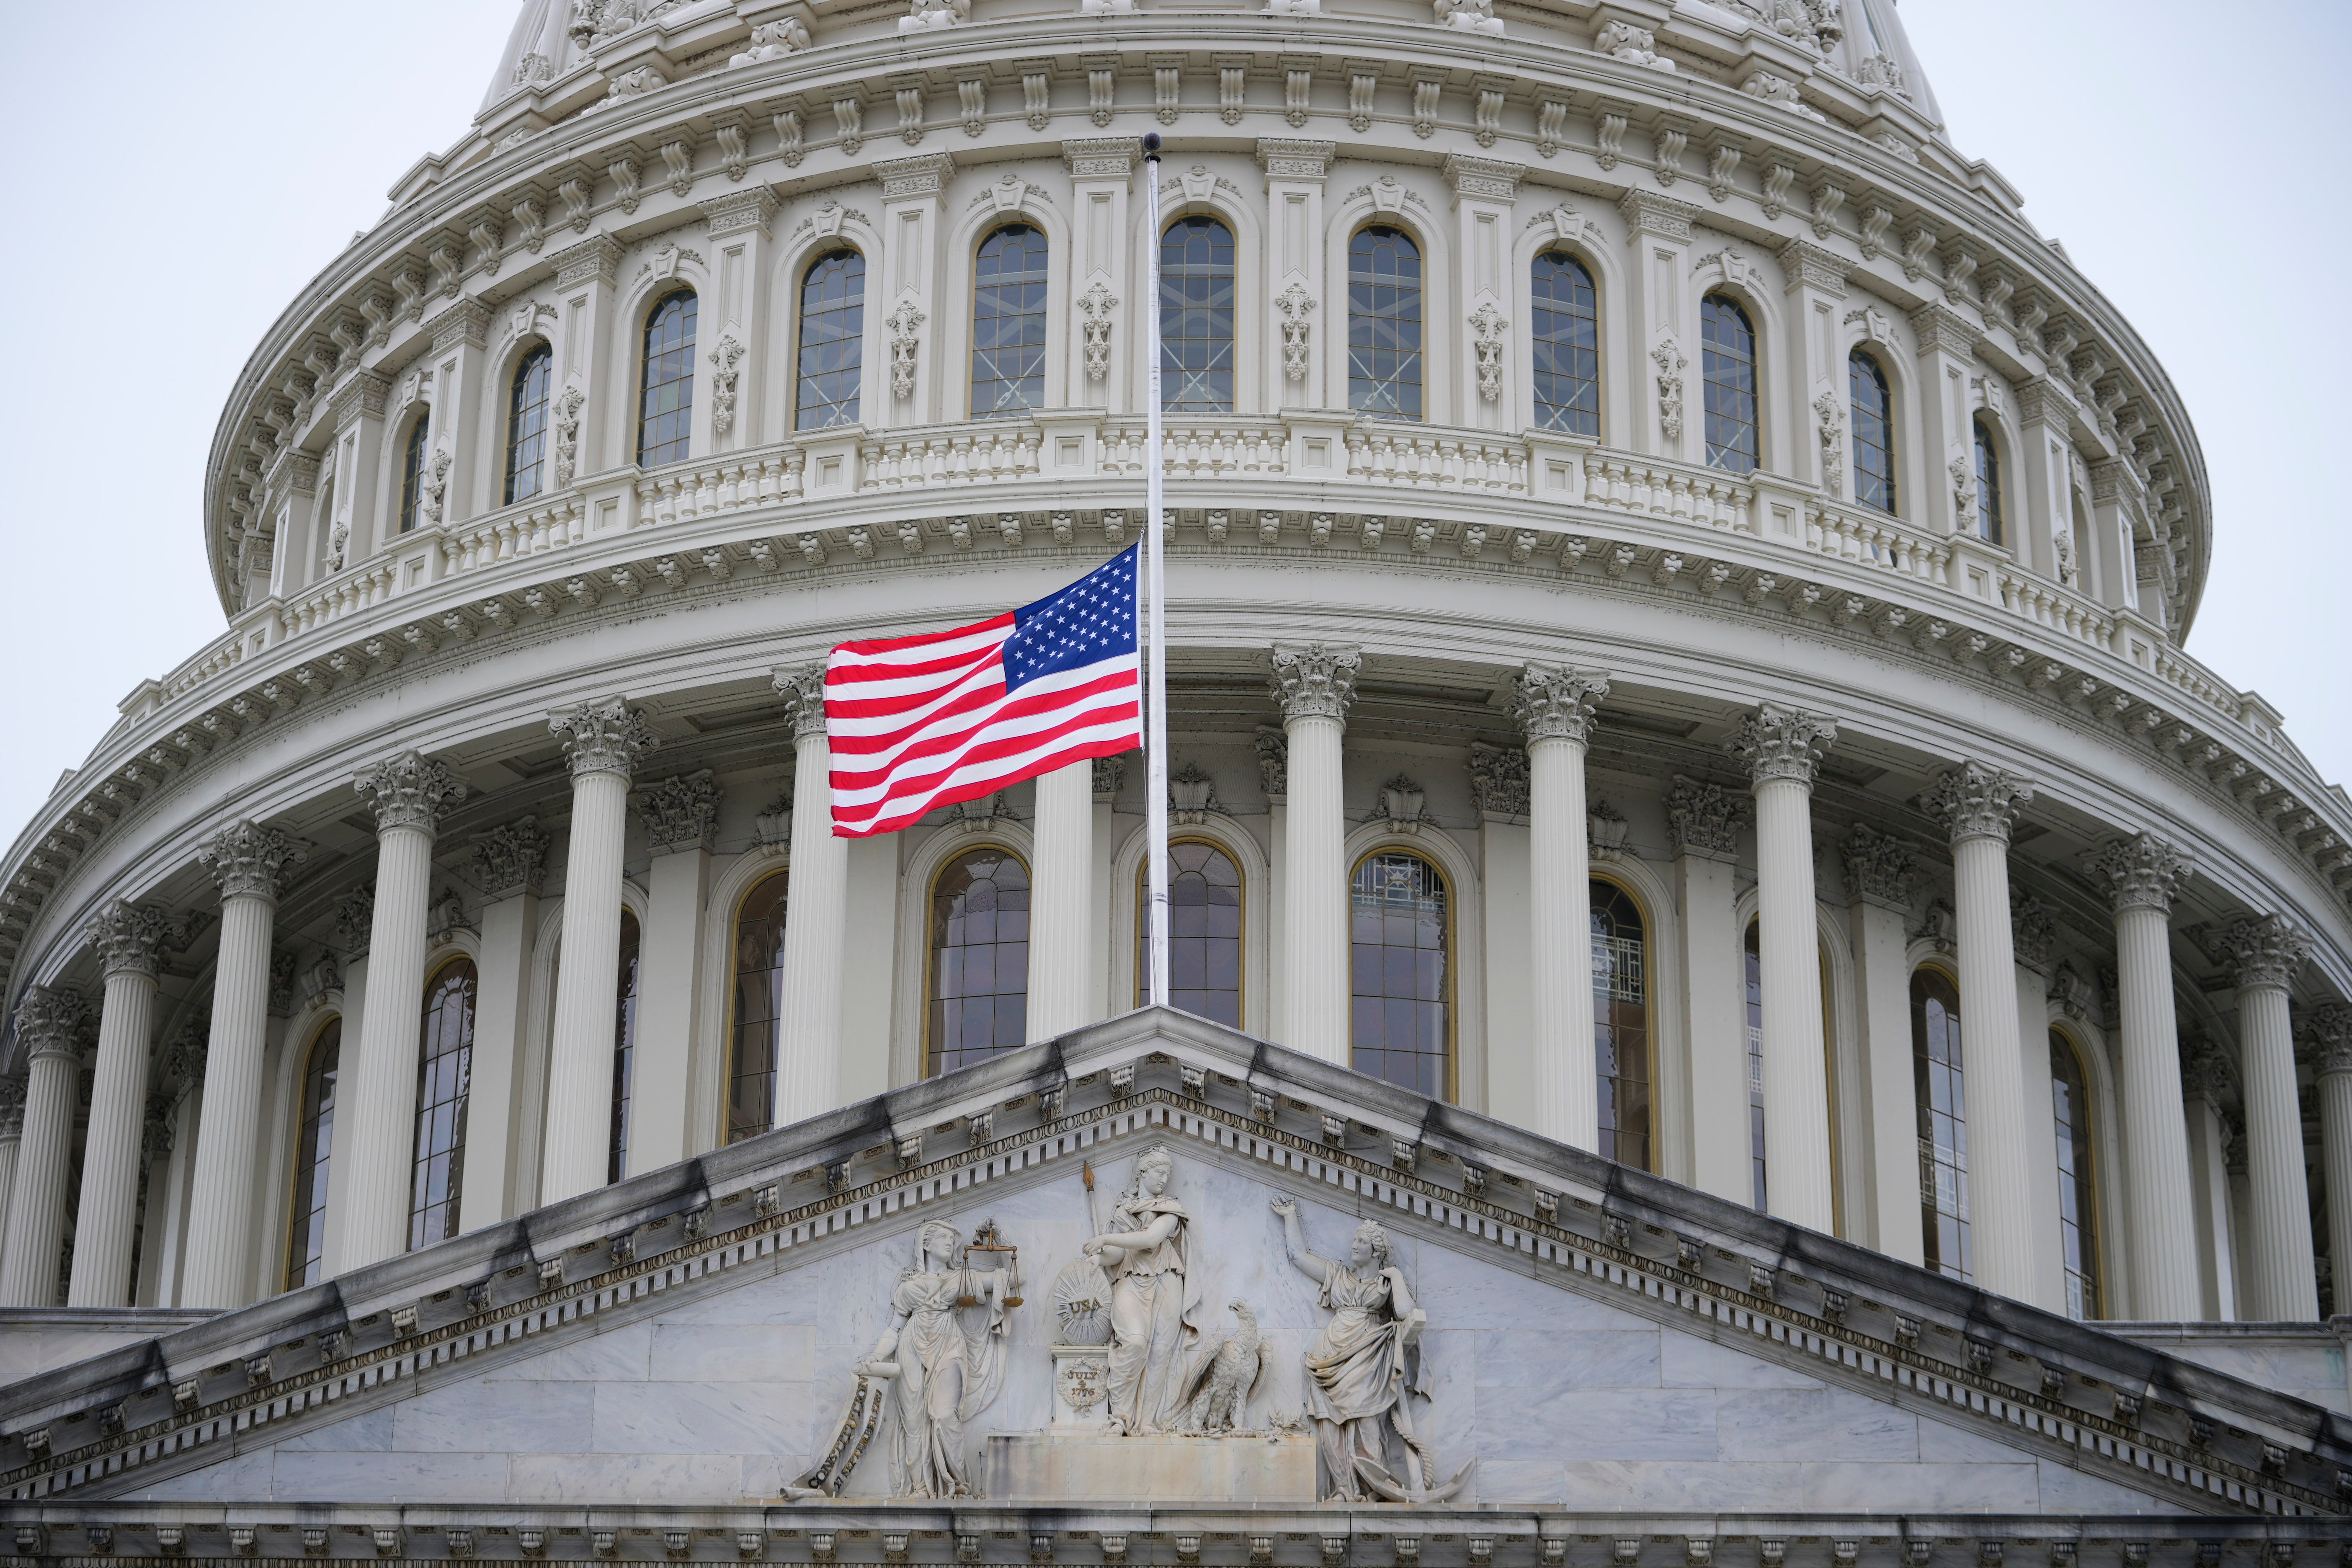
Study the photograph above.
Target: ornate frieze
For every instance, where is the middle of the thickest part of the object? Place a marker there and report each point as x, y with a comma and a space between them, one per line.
467, 322
1778, 742
680, 813
52, 1020
1646, 212
1974, 800
409, 790
246, 857
1097, 157
603, 736
1703, 819
2327, 1032
130, 938
1499, 780
740, 212
511, 859
2264, 951
596, 259
2142, 872
1315, 680
1878, 868
1289, 158
1489, 177
1553, 702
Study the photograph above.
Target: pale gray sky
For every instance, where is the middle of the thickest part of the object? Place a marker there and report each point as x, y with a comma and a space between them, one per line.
184, 170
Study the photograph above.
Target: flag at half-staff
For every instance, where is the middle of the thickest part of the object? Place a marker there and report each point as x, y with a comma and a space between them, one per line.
916, 723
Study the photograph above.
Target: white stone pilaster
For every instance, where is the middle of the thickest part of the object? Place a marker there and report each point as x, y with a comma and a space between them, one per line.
1296, 172
51, 1023
1061, 906
509, 867
905, 277
1702, 825
1314, 683
1669, 403
1813, 369
1877, 881
1554, 707
2215, 1252
669, 969
12, 1133
808, 1050
130, 940
2283, 1284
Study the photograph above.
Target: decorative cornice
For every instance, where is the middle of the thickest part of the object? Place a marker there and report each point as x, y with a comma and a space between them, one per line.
680, 813
130, 938
52, 1021
802, 687
467, 322
923, 174
1646, 212
603, 736
409, 790
1288, 157
1315, 680
1783, 743
1553, 702
2042, 401
245, 858
1974, 800
1703, 819
1810, 265
2264, 951
1101, 157
1499, 780
363, 396
596, 259
1878, 868
2142, 872
1939, 326
511, 859
745, 211
1490, 178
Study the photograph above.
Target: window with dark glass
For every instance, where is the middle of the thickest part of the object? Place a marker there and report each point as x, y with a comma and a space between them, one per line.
1400, 987
2070, 1095
1196, 317
1874, 432
832, 341
755, 1025
1941, 1089
1727, 374
1621, 1024
445, 1068
1989, 524
666, 383
527, 425
314, 1147
980, 959
1008, 323
411, 471
625, 1049
1384, 322
1204, 931
1566, 330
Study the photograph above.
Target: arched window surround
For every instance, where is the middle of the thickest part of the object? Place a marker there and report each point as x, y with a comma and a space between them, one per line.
1050, 307
500, 410
1986, 425
1066, 382
1438, 404
1897, 453
1652, 1010
1519, 376
1466, 906
780, 379
1935, 961
415, 425
2061, 1037
770, 872
2091, 1044
282, 1081
1760, 322
1510, 1083
421, 1217
873, 360
697, 435
910, 1018
1226, 834
1260, 385
929, 889
487, 1169
289, 1197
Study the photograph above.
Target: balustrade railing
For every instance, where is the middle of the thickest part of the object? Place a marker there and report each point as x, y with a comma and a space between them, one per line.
1430, 457
518, 531
684, 491
1621, 481
986, 452
1201, 449
2060, 610
1869, 538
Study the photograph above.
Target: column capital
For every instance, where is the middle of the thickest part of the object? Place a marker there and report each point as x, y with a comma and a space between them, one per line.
2265, 951
1553, 702
52, 1021
1976, 802
1878, 868
2327, 1031
130, 938
186, 1057
1315, 680
1703, 819
1499, 780
12, 1109
802, 685
1273, 747
2033, 931
680, 813
2204, 1075
246, 857
409, 790
511, 858
1778, 742
606, 736
356, 922
2142, 872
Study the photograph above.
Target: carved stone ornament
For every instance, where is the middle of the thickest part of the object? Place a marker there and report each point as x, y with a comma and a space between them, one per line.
1403, 804
1939, 927
1109, 772
1830, 413
2265, 951
355, 923
2327, 1030
1487, 326
52, 1020
245, 858
1273, 747
772, 41
2074, 993
511, 859
1191, 794
567, 434
1703, 819
1877, 868
1096, 305
925, 15
603, 737
2142, 872
905, 322
1553, 702
444, 917
1974, 800
409, 790
1671, 363
802, 688
1778, 742
12, 1109
1634, 45
723, 360
1315, 680
1605, 831
2032, 929
680, 813
130, 938
2205, 1073
1293, 302
284, 966
1499, 780
1470, 15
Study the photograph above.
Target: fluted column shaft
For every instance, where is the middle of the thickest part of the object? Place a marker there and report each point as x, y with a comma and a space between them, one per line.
1783, 748
130, 940
375, 1120
1979, 804
245, 859
50, 1023
2283, 1286
1555, 707
808, 1050
1061, 910
11, 1132
2144, 875
2331, 1032
603, 741
1314, 684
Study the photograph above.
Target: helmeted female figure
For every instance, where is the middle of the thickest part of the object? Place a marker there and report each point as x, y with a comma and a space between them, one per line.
1151, 1256
941, 1374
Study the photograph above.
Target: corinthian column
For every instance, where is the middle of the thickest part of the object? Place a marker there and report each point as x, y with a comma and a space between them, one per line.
12, 1132
2331, 1039
602, 741
1783, 749
1554, 705
50, 1023
244, 860
130, 940
2284, 1282
375, 1119
808, 1050
1314, 683
2143, 874
1978, 804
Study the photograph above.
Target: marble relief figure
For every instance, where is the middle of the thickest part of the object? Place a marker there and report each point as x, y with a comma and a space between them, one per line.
1153, 1257
940, 1373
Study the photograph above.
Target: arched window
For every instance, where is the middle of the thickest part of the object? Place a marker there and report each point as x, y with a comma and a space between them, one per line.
444, 1066
666, 383
1989, 526
1755, 1018
625, 1049
1621, 1024
1940, 1086
314, 1147
754, 1029
1874, 432
1196, 317
832, 341
411, 471
2070, 1097
1204, 931
1727, 371
1566, 330
1400, 931
527, 425
1384, 322
1008, 323
980, 959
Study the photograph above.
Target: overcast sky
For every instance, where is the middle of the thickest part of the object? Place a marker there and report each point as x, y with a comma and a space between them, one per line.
185, 170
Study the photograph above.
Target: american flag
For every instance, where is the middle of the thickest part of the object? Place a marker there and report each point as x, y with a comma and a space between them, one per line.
920, 722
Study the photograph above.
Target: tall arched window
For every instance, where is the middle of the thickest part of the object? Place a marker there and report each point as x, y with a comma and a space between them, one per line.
527, 425
2070, 1097
754, 1029
1727, 374
1940, 1086
979, 957
666, 381
314, 1147
1621, 1024
444, 1066
1873, 431
625, 1049
1196, 317
1566, 330
412, 471
832, 341
1204, 931
1008, 323
1988, 525
1401, 985
1384, 322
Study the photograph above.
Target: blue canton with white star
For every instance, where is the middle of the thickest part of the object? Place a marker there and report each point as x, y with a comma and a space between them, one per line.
1091, 620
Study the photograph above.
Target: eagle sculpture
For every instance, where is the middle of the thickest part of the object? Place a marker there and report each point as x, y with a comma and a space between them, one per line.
1228, 1378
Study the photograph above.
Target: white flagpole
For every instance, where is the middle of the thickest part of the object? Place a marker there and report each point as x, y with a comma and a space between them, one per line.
1155, 745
